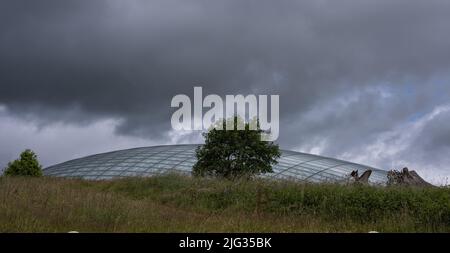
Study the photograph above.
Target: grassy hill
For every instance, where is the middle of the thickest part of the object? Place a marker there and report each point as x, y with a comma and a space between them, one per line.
182, 204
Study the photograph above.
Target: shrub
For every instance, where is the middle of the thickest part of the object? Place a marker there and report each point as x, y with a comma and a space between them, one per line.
27, 165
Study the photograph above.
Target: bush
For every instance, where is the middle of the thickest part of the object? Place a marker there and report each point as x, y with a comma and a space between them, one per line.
27, 165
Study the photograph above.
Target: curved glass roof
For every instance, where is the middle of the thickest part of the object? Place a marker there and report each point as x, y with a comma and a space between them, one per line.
149, 161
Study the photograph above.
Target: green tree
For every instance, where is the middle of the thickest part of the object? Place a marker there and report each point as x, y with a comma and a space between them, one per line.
27, 165
235, 153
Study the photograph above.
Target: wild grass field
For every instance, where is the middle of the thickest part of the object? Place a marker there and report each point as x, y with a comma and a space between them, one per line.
174, 203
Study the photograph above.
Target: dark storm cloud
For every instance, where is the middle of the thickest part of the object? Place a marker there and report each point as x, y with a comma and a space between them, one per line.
127, 59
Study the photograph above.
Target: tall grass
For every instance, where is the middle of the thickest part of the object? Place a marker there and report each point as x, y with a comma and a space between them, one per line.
174, 203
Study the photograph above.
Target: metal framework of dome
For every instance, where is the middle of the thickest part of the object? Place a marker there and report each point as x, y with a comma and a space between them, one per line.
150, 161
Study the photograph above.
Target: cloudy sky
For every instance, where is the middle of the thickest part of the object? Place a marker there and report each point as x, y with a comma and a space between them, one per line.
366, 81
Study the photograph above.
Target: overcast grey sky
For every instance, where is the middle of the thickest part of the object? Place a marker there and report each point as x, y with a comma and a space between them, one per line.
366, 81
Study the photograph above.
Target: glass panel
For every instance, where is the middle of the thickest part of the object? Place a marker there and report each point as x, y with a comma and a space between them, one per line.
149, 161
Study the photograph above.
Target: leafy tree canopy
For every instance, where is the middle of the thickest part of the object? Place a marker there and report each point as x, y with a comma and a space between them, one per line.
26, 165
235, 153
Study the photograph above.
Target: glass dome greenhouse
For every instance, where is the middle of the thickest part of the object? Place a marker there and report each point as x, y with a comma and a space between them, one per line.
150, 161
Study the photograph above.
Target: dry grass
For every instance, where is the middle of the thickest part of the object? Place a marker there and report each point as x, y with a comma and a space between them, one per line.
180, 204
